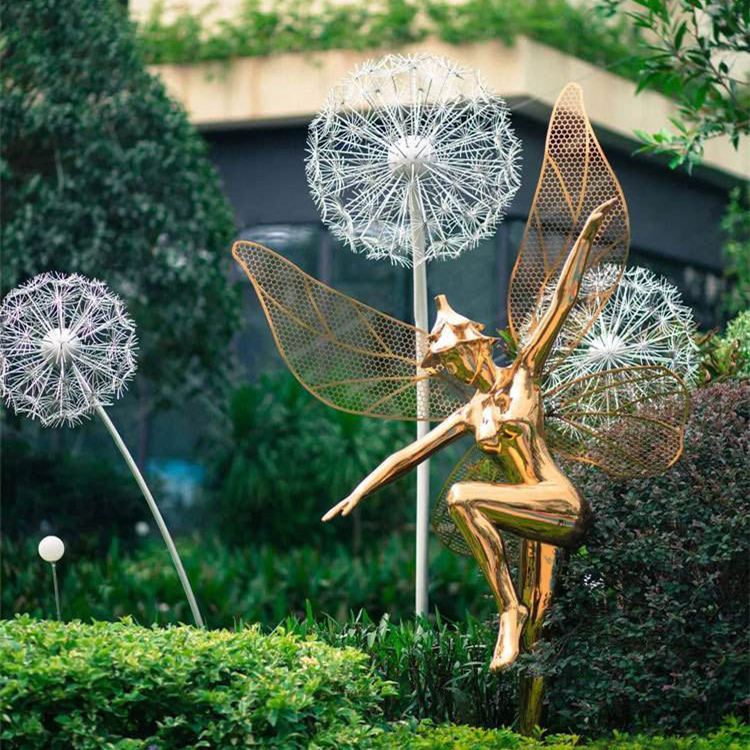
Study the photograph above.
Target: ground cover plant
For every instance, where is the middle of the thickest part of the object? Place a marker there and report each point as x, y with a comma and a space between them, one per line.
121, 686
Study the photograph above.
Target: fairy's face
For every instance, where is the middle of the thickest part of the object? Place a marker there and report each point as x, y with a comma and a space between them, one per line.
458, 346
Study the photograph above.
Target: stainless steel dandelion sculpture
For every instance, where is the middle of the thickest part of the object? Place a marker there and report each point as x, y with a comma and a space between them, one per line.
67, 349
412, 158
412, 143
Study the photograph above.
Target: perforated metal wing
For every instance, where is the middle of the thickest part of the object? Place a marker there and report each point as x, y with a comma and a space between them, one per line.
629, 421
347, 354
575, 178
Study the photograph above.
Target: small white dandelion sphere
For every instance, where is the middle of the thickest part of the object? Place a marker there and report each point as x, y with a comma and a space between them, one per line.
67, 345
51, 549
412, 142
142, 528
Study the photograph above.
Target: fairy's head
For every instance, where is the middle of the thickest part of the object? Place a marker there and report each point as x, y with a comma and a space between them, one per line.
457, 345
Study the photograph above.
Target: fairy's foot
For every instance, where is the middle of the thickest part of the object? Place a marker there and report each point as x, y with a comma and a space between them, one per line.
512, 621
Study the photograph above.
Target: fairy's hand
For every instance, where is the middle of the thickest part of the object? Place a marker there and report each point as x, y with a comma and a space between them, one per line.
345, 507
595, 219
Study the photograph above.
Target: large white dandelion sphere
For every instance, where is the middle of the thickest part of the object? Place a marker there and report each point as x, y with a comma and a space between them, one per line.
412, 143
67, 345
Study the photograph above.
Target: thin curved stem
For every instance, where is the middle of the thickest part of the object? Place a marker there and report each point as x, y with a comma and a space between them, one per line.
154, 511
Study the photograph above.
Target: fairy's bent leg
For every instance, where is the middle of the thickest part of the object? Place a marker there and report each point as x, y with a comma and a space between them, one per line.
489, 550
550, 511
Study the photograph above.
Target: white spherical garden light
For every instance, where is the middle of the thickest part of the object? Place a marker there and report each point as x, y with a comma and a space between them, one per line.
412, 158
67, 348
51, 549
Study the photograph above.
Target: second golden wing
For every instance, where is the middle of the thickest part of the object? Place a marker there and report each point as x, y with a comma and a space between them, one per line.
628, 421
347, 354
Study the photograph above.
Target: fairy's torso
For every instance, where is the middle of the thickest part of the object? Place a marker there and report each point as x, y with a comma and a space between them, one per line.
508, 423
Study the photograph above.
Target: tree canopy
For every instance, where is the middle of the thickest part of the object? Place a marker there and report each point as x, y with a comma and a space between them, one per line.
103, 175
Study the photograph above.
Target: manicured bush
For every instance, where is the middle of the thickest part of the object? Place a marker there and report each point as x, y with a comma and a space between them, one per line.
121, 686
732, 735
652, 616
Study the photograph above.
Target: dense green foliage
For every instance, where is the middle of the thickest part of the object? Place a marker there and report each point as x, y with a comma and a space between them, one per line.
256, 584
441, 669
81, 499
738, 331
103, 175
86, 686
125, 687
694, 55
650, 627
330, 451
736, 226
295, 25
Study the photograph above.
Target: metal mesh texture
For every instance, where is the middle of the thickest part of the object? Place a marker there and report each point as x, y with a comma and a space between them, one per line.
629, 421
347, 354
574, 180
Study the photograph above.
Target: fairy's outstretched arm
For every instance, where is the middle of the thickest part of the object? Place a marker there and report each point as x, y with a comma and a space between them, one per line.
535, 353
403, 461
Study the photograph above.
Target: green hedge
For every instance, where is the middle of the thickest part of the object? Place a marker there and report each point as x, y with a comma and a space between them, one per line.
117, 686
124, 687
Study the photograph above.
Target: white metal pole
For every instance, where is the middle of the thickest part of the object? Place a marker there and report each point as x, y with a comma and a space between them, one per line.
57, 591
155, 512
421, 605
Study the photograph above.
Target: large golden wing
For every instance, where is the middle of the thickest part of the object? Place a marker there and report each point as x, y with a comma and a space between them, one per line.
347, 354
628, 421
575, 178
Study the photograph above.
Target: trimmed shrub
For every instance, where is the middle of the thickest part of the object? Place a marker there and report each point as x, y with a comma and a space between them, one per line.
652, 615
133, 688
732, 735
124, 687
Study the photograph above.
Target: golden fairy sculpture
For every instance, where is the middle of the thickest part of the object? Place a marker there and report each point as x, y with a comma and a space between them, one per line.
357, 359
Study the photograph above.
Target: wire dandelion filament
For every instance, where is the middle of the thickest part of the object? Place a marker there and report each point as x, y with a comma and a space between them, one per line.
67, 348
412, 140
67, 345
